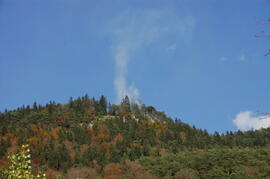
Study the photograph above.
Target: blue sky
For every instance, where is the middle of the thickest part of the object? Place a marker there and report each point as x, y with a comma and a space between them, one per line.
195, 60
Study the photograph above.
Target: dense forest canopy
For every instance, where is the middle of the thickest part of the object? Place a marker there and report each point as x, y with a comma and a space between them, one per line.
91, 137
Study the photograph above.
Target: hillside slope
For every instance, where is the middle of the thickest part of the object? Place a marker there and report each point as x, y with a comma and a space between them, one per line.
89, 137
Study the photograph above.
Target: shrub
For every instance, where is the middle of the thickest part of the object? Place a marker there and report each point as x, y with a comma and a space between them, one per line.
20, 166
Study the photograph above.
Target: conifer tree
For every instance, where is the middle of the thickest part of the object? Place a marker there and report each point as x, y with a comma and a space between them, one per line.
103, 105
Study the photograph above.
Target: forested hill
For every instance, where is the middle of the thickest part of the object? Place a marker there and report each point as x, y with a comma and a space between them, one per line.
89, 137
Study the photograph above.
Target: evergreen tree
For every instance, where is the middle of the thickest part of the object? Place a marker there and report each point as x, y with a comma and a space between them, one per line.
103, 105
35, 106
124, 108
113, 110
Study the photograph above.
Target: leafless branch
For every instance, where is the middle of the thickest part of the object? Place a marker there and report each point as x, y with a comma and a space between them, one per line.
263, 35
260, 22
268, 53
263, 113
266, 115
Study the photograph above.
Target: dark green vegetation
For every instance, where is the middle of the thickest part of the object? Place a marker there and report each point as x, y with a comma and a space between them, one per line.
89, 137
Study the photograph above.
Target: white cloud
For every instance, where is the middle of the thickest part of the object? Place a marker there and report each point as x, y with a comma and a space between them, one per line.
246, 121
133, 31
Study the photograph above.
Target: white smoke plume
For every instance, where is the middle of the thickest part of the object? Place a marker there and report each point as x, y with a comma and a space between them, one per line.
247, 121
122, 59
133, 31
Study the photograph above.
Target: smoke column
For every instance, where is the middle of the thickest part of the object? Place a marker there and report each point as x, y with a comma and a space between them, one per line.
133, 31
121, 63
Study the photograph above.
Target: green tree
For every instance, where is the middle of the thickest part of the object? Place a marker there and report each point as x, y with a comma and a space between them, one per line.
103, 105
113, 110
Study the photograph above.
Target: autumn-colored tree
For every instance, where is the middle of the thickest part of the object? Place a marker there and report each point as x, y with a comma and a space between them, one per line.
112, 171
82, 172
